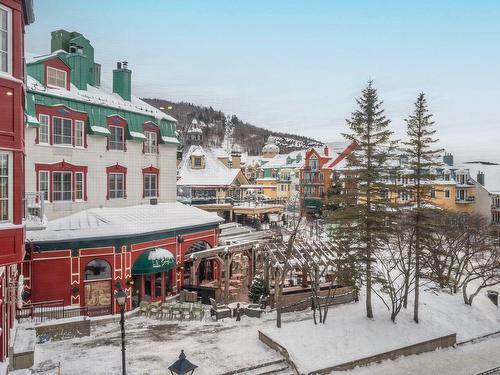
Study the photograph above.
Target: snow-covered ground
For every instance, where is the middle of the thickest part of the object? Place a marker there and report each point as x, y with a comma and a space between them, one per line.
218, 347
348, 336
464, 360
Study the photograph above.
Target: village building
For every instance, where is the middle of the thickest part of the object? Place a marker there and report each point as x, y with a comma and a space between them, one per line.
15, 15
316, 175
102, 169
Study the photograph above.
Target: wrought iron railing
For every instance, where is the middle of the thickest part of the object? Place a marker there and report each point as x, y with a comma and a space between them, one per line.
34, 207
49, 310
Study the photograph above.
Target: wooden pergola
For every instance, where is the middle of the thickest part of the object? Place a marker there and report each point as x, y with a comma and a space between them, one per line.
224, 257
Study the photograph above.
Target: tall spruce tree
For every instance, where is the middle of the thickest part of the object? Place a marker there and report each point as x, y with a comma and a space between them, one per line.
422, 159
363, 205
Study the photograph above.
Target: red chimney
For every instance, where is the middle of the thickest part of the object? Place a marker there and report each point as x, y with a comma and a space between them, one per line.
326, 150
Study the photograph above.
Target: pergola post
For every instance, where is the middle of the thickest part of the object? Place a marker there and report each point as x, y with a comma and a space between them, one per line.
194, 271
227, 269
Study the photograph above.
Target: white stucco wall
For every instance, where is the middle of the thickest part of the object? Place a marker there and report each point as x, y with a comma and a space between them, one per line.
97, 158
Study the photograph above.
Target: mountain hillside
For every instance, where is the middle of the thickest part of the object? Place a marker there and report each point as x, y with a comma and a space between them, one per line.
222, 130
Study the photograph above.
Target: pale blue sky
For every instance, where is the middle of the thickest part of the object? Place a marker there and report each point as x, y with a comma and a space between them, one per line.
297, 66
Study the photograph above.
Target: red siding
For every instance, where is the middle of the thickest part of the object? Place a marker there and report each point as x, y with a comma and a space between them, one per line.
57, 63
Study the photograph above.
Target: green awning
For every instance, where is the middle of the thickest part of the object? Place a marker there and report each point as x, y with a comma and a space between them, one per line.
313, 204
153, 261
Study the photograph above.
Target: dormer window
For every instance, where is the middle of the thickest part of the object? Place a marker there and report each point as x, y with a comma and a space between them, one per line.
56, 78
197, 162
117, 138
151, 144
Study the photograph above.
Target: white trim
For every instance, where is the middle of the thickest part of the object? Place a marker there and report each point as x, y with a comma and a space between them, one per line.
82, 133
48, 128
56, 70
9, 39
82, 199
10, 181
48, 185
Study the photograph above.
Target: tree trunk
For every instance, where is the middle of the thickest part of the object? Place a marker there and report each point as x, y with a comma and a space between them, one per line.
277, 295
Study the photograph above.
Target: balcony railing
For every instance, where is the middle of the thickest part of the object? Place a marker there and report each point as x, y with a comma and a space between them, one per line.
469, 199
34, 210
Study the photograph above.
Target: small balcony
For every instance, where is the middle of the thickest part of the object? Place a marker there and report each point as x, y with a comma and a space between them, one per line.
466, 200
34, 211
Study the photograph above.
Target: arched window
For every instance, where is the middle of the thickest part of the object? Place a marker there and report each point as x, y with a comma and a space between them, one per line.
98, 269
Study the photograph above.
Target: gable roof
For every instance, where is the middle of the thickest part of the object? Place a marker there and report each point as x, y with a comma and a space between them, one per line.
215, 173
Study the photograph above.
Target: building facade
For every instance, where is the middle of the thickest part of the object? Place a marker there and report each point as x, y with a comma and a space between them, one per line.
88, 146
102, 166
316, 176
14, 16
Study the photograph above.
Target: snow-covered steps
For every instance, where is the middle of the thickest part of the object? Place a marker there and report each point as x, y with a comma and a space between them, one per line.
279, 367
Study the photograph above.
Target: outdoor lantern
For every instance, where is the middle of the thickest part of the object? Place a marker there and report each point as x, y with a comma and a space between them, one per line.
121, 296
182, 366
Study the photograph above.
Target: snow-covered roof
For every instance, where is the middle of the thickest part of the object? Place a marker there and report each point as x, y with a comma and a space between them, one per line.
110, 222
102, 95
491, 175
214, 173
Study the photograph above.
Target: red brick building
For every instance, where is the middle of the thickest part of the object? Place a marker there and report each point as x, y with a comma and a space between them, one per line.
14, 16
316, 176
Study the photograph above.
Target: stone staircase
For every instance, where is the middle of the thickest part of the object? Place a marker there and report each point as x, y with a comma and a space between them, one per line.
279, 367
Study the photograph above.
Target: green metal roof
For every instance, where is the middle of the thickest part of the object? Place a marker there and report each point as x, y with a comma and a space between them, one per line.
153, 261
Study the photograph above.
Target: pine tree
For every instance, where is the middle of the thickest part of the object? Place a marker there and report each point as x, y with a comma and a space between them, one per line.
364, 207
257, 289
422, 159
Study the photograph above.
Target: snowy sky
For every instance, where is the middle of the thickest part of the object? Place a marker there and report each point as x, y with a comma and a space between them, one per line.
297, 65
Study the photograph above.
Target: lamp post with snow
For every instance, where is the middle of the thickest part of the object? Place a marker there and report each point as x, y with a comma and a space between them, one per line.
182, 366
121, 297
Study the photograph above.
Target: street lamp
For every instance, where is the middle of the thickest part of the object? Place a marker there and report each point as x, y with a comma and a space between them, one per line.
121, 297
182, 366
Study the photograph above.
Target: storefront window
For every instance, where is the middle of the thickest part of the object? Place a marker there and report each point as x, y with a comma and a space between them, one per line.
147, 288
98, 287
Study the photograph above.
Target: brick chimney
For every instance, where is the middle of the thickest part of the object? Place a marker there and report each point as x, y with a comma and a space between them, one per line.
325, 150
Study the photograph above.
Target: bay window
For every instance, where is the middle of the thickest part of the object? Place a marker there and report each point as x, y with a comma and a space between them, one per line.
151, 144
62, 182
56, 77
44, 129
116, 140
150, 185
62, 186
5, 39
116, 183
63, 134
5, 187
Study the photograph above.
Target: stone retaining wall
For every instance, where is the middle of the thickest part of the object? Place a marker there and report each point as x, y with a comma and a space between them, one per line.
421, 347
62, 331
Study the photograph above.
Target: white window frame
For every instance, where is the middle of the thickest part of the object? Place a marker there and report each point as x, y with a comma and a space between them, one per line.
47, 134
8, 199
54, 85
9, 39
54, 131
447, 193
82, 187
151, 147
113, 142
47, 195
148, 191
62, 184
79, 128
114, 189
